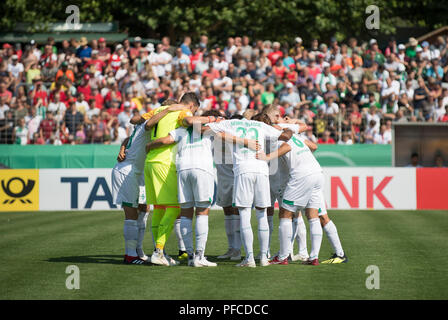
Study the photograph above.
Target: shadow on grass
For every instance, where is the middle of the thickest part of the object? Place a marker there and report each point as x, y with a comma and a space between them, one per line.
118, 259
108, 259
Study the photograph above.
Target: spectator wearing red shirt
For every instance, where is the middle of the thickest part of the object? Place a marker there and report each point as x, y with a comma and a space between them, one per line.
103, 50
445, 116
113, 93
39, 92
95, 61
58, 91
48, 56
115, 58
279, 69
326, 139
99, 99
211, 72
114, 110
195, 57
275, 54
47, 127
4, 92
313, 69
135, 51
356, 121
84, 87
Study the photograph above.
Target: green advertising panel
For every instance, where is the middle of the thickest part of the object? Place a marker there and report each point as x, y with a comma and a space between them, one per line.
104, 156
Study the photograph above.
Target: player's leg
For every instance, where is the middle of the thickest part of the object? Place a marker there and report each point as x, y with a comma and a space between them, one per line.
236, 255
157, 215
203, 186
231, 216
332, 233
143, 213
285, 234
164, 179
270, 214
299, 235
180, 243
262, 200
315, 181
186, 200
141, 224
202, 211
130, 233
123, 185
315, 234
186, 227
228, 225
165, 228
243, 195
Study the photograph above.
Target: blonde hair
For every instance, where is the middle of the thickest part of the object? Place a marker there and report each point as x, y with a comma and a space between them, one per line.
249, 113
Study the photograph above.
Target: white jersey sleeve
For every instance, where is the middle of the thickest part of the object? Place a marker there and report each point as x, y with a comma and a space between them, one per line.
178, 134
270, 132
301, 160
293, 127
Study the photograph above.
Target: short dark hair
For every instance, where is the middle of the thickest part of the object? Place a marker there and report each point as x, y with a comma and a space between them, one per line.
212, 113
190, 97
236, 116
168, 102
262, 117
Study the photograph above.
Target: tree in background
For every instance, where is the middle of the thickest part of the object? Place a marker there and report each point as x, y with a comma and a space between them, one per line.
260, 19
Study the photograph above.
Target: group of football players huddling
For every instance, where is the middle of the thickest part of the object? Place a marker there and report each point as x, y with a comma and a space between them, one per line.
170, 161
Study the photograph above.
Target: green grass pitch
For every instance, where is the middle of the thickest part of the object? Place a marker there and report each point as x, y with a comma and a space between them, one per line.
409, 247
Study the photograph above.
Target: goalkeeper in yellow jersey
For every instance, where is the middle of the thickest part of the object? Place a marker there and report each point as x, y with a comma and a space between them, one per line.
161, 177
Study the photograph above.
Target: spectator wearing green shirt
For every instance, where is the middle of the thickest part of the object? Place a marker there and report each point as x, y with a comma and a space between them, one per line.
411, 51
268, 96
32, 72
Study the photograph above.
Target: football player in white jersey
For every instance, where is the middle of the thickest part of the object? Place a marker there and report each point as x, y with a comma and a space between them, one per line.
251, 185
194, 164
222, 154
303, 191
278, 177
128, 186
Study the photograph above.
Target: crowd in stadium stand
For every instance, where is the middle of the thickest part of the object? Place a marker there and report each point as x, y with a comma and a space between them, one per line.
85, 92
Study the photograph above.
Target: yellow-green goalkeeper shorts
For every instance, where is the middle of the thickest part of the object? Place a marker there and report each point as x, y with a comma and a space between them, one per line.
161, 183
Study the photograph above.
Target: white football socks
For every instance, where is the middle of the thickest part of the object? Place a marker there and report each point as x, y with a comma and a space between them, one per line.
228, 224
316, 237
130, 232
263, 232
285, 236
247, 237
186, 227
271, 229
301, 237
332, 234
180, 241
236, 232
201, 233
141, 224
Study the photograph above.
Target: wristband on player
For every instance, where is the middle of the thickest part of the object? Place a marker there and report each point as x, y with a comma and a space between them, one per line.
211, 119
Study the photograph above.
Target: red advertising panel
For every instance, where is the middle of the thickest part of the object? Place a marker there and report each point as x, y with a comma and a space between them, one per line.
432, 188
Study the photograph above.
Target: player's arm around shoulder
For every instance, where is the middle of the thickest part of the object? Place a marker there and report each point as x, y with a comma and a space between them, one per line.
248, 143
154, 117
164, 141
313, 147
122, 153
137, 119
286, 134
191, 120
284, 149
